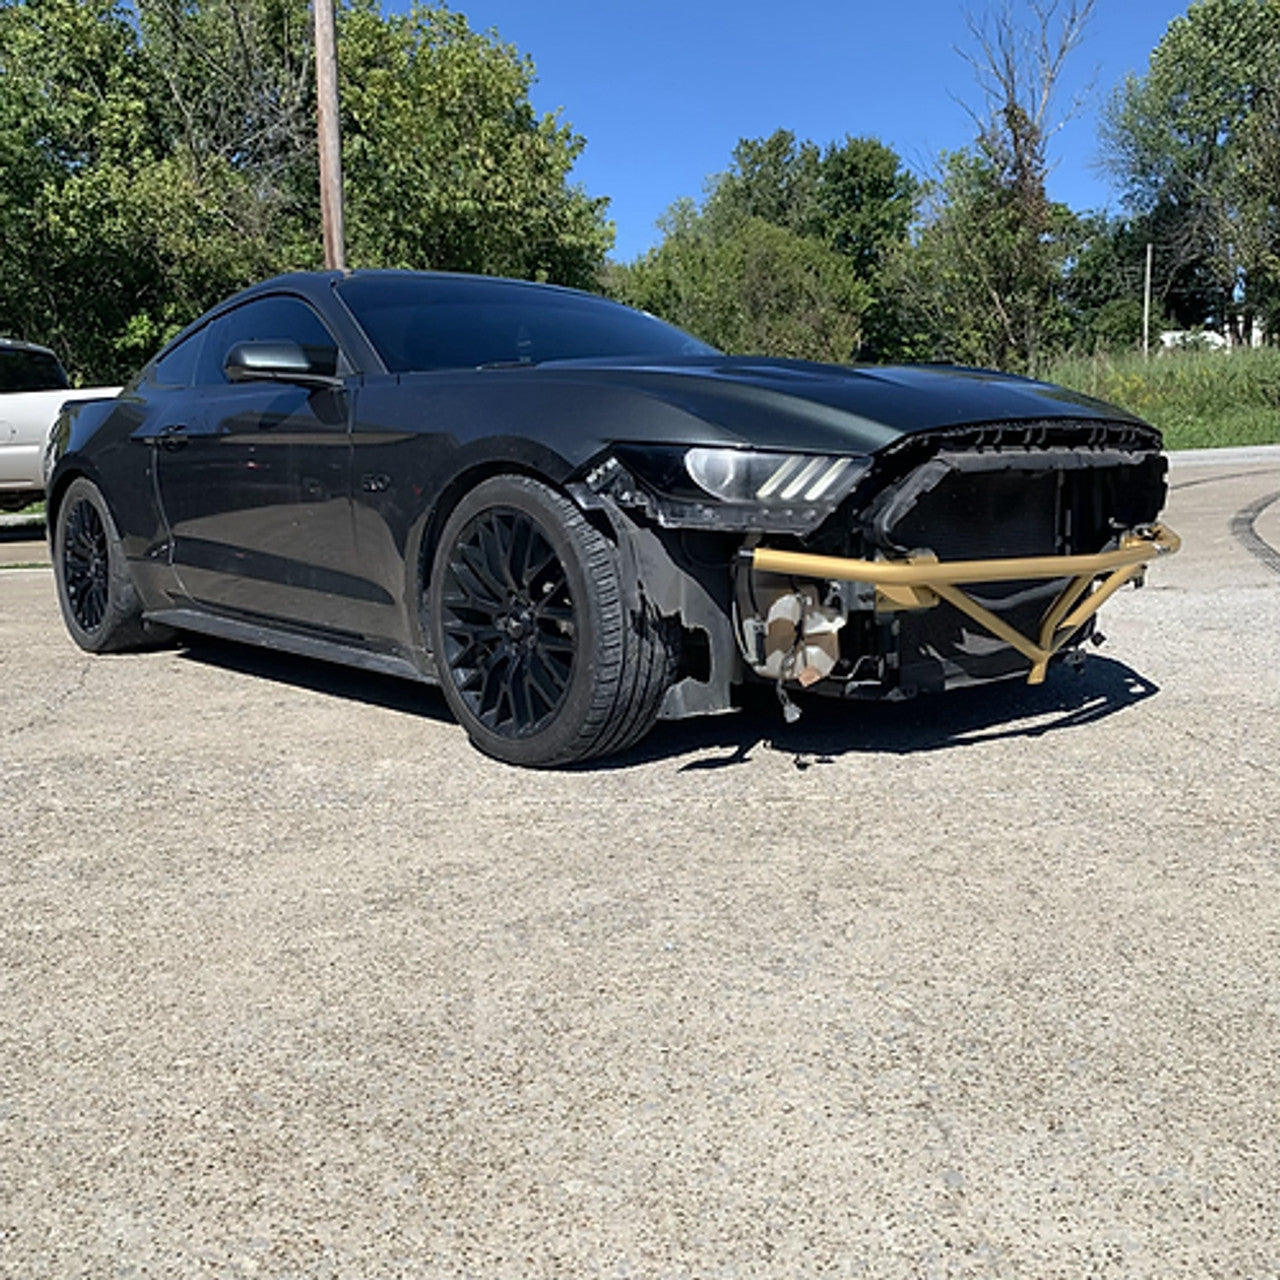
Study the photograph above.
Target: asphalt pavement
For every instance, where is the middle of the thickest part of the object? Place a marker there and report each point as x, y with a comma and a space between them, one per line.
297, 984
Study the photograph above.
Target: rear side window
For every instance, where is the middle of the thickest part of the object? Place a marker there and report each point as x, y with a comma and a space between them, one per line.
177, 367
22, 370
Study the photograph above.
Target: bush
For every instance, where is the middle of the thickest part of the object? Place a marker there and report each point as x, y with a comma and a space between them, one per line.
1199, 399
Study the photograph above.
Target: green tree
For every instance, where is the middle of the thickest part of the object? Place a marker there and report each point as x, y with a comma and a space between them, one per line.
774, 179
1194, 146
447, 165
758, 288
1104, 286
152, 164
982, 281
864, 203
79, 119
994, 251
854, 196
980, 284
142, 176
785, 253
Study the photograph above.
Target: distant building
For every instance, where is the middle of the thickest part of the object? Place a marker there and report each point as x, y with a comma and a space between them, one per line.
1192, 339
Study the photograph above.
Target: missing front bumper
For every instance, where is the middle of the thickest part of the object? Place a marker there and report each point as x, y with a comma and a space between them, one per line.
922, 581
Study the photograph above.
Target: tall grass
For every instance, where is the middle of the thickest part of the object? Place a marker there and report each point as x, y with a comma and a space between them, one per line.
1199, 399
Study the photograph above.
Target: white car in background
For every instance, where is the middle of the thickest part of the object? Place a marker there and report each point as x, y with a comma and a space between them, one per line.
33, 388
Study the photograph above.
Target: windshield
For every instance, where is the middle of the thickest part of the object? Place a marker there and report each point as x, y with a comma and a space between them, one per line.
23, 370
424, 322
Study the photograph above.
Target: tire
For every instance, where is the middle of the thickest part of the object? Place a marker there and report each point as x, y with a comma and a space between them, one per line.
99, 602
539, 655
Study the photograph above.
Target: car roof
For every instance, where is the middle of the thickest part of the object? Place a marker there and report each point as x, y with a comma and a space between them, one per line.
316, 283
16, 344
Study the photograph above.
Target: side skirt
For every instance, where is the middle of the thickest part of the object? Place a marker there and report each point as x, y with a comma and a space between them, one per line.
282, 640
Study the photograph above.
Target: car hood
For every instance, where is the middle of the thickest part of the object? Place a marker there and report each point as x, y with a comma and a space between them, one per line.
770, 402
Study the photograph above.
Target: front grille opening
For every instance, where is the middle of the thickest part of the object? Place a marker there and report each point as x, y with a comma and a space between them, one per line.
981, 516
981, 505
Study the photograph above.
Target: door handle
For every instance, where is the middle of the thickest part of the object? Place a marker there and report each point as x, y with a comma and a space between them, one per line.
174, 435
170, 431
149, 434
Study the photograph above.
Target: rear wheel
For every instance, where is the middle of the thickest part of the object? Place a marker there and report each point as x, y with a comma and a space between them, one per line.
99, 602
541, 657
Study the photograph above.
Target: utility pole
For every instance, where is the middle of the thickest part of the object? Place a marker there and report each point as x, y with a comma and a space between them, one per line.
330, 143
1146, 308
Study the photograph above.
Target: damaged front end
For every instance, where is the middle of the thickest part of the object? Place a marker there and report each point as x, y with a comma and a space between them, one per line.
948, 558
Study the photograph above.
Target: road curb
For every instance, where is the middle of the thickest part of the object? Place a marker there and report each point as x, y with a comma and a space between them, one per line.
1233, 456
21, 521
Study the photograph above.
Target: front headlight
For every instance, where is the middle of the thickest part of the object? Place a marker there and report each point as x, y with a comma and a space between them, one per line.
773, 479
741, 489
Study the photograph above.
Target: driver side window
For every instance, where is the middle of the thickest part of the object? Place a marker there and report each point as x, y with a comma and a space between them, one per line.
264, 319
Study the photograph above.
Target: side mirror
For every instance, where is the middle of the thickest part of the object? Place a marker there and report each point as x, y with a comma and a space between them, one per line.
279, 360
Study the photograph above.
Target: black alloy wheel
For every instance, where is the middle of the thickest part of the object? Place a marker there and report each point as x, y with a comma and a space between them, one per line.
99, 603
539, 656
509, 622
85, 560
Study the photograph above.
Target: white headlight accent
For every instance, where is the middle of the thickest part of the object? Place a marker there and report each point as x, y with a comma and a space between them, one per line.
828, 478
772, 484
800, 483
773, 480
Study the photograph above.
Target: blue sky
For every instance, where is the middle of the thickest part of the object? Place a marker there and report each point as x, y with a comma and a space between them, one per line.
662, 90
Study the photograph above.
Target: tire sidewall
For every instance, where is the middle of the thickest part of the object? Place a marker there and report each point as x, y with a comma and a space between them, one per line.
555, 742
123, 610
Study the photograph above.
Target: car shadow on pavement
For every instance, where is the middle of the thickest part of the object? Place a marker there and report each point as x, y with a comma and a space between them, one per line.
352, 683
826, 730
963, 717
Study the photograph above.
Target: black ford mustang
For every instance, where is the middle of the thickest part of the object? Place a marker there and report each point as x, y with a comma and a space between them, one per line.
576, 518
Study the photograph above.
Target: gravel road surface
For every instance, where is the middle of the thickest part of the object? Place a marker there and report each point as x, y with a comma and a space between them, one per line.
296, 984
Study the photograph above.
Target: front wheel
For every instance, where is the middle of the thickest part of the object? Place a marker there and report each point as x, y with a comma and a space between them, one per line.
541, 657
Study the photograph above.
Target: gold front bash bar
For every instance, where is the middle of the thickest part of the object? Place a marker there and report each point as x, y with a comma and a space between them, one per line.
920, 581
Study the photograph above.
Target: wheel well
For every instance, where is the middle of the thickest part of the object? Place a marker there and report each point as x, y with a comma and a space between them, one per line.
707, 648
53, 498
460, 486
